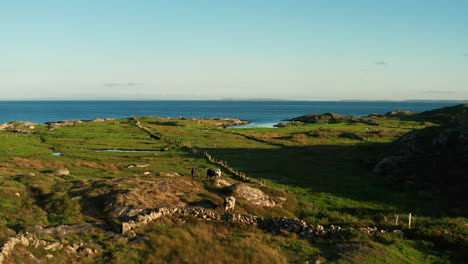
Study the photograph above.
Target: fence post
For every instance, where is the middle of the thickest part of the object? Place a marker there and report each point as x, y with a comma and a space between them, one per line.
409, 220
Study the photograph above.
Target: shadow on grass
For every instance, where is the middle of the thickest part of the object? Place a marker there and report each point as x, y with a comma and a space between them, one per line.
204, 203
333, 176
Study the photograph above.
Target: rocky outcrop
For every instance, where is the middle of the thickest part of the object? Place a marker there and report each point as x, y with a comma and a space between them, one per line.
432, 161
253, 195
320, 118
62, 231
10, 245
329, 118
24, 131
31, 239
63, 123
443, 116
227, 122
152, 193
446, 116
394, 114
222, 183
70, 123
125, 212
289, 124
19, 127
5, 126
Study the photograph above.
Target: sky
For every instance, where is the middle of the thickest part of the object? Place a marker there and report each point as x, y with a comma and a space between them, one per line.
202, 49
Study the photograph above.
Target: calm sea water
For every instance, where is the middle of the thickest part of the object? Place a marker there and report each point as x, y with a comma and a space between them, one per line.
260, 113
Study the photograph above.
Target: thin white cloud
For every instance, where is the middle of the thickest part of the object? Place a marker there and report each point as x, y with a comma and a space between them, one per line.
380, 63
121, 84
438, 92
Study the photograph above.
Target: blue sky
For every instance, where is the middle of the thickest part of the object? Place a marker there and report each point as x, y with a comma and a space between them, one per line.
312, 50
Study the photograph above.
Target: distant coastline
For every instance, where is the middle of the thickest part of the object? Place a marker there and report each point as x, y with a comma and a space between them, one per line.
259, 113
233, 100
256, 99
410, 101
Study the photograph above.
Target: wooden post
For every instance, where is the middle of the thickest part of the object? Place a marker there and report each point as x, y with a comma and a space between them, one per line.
396, 219
409, 220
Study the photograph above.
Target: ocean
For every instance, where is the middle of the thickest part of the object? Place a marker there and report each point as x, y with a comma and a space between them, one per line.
260, 113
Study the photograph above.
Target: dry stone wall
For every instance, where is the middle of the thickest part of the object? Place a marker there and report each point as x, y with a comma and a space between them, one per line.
274, 225
198, 152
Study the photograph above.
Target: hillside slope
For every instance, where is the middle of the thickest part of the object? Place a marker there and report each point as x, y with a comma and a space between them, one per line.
433, 161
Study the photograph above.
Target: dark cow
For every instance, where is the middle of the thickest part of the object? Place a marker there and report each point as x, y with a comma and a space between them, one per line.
213, 174
195, 172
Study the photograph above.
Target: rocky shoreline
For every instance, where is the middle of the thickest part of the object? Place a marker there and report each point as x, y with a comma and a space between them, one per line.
20, 125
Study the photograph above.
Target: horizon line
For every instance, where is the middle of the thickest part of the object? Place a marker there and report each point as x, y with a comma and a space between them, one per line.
235, 100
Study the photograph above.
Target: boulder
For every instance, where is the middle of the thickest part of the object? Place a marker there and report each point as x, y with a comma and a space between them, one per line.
61, 172
53, 246
169, 174
5, 126
87, 251
62, 123
19, 130
253, 195
222, 183
137, 166
30, 174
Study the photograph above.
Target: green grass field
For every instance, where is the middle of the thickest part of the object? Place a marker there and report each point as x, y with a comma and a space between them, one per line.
325, 171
